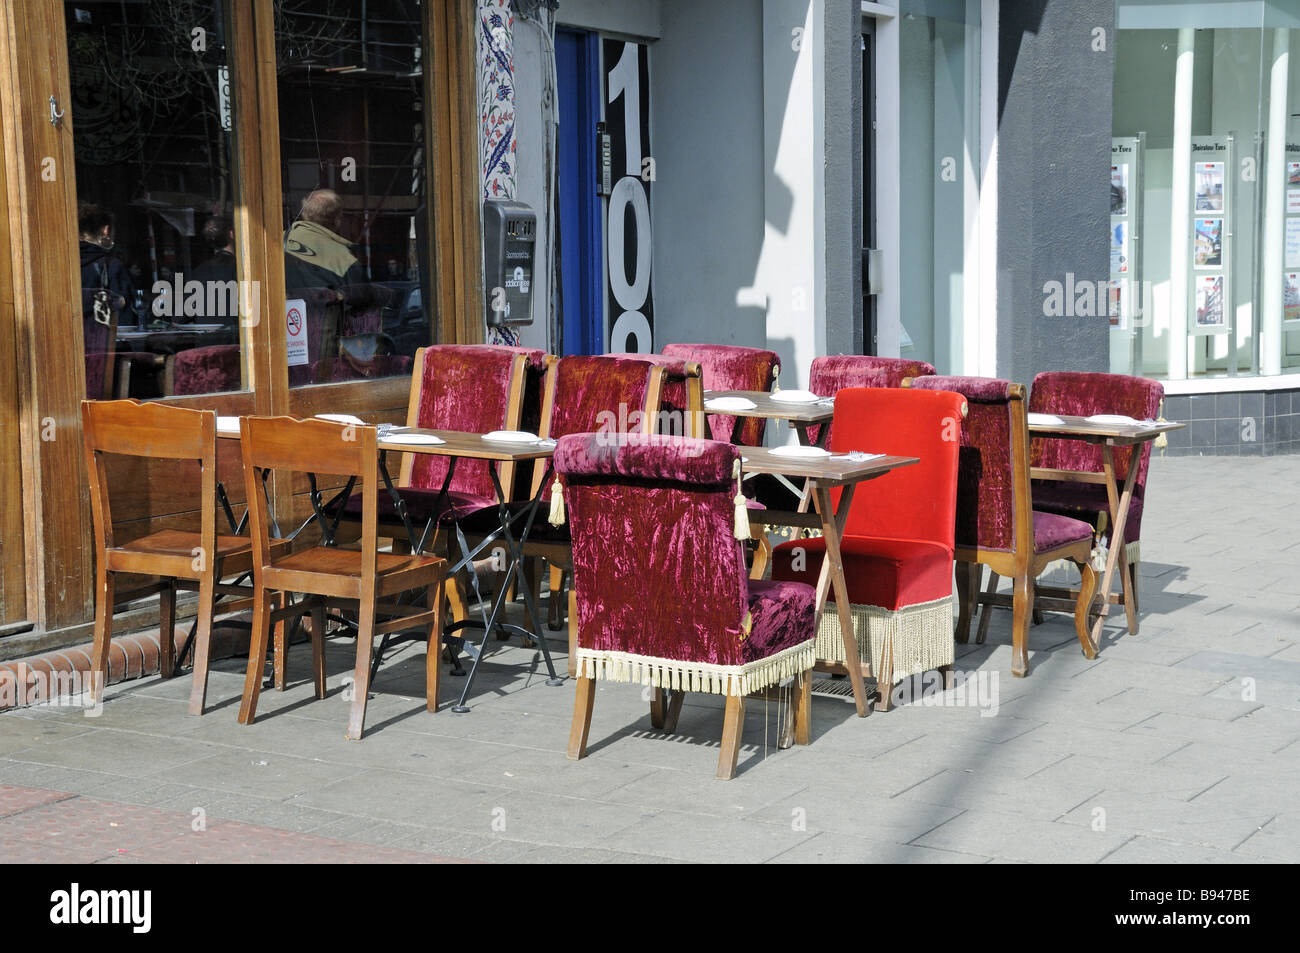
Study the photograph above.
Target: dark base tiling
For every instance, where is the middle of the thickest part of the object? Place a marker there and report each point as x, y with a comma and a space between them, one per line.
1260, 423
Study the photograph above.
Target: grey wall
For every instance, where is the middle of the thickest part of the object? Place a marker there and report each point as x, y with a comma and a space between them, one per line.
842, 224
706, 114
530, 159
1054, 129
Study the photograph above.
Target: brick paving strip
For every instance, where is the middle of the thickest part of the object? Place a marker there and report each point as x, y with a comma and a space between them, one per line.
39, 826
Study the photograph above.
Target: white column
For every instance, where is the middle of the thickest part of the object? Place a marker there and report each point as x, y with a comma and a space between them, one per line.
1180, 211
981, 351
1269, 319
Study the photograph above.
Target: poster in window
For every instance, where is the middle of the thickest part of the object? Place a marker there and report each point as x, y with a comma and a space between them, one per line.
1209, 186
1119, 257
1208, 252
1293, 187
1293, 243
1209, 301
1119, 189
1116, 298
1291, 296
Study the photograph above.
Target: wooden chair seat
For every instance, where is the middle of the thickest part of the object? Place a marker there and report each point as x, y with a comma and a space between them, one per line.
330, 570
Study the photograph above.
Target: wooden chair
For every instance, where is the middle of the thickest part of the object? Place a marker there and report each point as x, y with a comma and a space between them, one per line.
898, 542
662, 598
997, 525
184, 559
328, 576
683, 401
1083, 394
730, 367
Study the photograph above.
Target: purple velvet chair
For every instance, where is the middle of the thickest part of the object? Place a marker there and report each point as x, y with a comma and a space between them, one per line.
728, 367
1083, 394
683, 402
662, 595
832, 373
997, 524
100, 340
202, 370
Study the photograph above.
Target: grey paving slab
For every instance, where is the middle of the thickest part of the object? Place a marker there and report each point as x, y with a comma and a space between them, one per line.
1151, 850
1152, 815
828, 848
707, 839
1006, 835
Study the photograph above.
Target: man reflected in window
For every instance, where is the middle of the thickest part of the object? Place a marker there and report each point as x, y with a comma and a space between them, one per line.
316, 255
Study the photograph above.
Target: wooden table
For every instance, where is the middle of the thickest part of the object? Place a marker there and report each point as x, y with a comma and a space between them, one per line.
800, 416
1107, 435
822, 475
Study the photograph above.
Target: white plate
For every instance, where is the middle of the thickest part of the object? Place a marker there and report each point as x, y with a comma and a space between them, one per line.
1111, 419
729, 404
426, 439
342, 419
795, 397
228, 425
800, 451
1045, 420
511, 436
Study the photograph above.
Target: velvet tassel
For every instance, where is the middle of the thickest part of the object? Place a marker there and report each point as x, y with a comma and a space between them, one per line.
1100, 553
557, 502
741, 530
776, 378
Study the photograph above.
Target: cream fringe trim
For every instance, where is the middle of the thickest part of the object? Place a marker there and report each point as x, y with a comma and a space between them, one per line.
697, 676
921, 636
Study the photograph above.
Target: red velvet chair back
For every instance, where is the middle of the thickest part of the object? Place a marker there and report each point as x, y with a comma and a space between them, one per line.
204, 370
676, 398
657, 570
100, 342
728, 367
917, 502
1083, 394
834, 372
991, 474
464, 387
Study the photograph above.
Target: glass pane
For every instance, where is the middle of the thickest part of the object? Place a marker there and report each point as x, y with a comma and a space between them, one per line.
939, 152
352, 147
1213, 222
152, 135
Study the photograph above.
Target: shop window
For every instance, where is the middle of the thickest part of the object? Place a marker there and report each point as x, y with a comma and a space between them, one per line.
353, 148
151, 113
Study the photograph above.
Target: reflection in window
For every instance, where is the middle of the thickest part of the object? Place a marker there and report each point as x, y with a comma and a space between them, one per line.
352, 144
152, 137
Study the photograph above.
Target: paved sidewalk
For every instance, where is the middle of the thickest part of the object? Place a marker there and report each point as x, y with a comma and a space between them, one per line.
1179, 744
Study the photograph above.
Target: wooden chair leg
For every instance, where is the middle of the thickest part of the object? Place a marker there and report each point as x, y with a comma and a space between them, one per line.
1133, 574
674, 710
968, 576
103, 632
573, 633
885, 677
257, 642
1083, 608
762, 551
1036, 614
1128, 585
280, 636
167, 630
432, 659
582, 704
801, 714
202, 643
1021, 606
986, 613
732, 726
949, 677
361, 674
318, 649
658, 708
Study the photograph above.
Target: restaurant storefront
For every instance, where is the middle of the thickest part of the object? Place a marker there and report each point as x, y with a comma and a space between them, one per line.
155, 154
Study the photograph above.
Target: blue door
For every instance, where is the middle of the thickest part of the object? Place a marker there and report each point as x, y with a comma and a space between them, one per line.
579, 248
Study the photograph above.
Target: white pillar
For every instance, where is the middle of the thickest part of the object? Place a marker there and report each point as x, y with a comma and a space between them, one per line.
1268, 322
1180, 211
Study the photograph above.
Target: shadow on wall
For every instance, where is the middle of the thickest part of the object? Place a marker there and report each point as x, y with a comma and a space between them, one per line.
1021, 17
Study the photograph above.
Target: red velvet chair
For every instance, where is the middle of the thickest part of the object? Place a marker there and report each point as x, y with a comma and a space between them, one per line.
1083, 394
728, 367
202, 370
997, 525
898, 540
662, 595
683, 402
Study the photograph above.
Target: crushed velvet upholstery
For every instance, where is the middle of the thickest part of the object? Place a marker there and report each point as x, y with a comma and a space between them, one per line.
675, 398
99, 341
657, 570
899, 535
1083, 394
728, 367
463, 387
985, 489
335, 370
205, 370
832, 373
1052, 530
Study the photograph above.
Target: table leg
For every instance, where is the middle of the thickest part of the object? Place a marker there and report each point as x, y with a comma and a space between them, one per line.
1119, 506
832, 576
